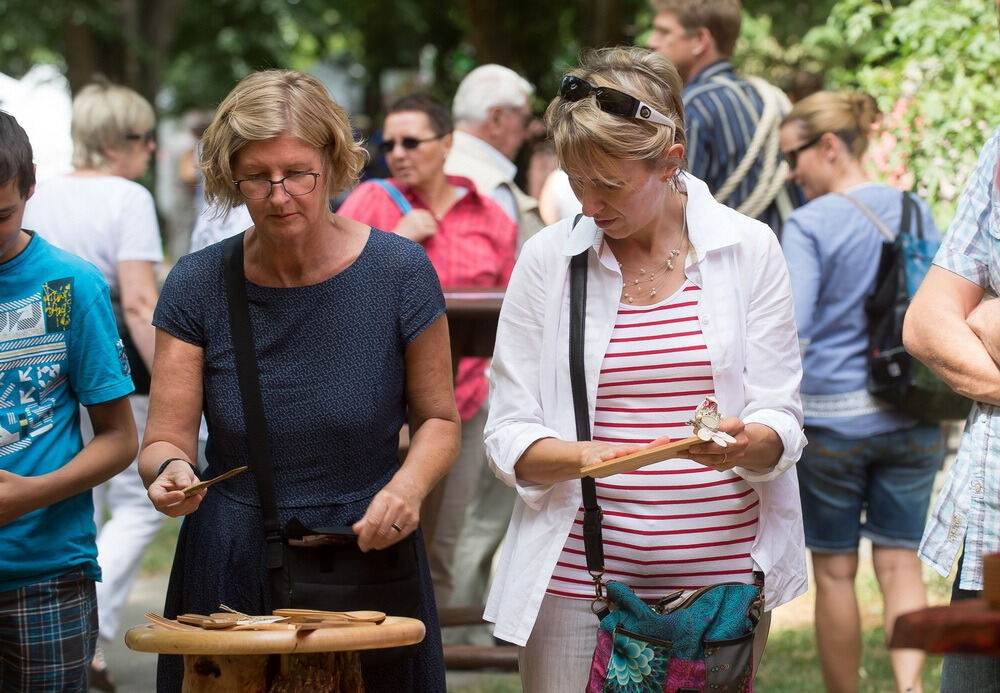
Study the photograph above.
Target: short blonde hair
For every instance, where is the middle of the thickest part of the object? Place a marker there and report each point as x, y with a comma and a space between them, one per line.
104, 115
589, 141
271, 103
849, 115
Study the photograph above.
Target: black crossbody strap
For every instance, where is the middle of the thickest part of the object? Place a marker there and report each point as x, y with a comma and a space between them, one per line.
593, 542
253, 404
910, 210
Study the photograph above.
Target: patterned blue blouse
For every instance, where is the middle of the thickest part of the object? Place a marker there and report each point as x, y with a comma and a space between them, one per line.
331, 367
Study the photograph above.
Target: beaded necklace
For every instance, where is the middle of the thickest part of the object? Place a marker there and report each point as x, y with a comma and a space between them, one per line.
651, 280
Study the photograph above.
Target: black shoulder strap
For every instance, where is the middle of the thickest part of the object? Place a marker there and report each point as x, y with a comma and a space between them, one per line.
910, 209
253, 404
593, 542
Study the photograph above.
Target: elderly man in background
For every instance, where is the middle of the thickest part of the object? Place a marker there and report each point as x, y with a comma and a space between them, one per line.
492, 112
732, 120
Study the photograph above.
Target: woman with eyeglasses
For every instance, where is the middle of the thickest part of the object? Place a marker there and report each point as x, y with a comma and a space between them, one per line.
686, 299
350, 339
868, 470
101, 214
470, 241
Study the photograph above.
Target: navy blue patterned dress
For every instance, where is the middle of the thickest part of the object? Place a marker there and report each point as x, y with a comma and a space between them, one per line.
331, 361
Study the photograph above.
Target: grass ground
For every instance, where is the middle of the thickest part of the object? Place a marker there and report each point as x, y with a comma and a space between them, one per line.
790, 662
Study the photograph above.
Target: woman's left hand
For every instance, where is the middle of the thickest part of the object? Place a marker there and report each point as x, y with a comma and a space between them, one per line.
393, 514
721, 458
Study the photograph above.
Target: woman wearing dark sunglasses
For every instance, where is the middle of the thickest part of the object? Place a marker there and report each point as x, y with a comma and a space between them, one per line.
470, 241
863, 456
686, 299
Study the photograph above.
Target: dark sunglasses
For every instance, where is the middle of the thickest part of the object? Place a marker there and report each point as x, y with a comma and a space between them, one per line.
611, 100
792, 156
147, 138
386, 146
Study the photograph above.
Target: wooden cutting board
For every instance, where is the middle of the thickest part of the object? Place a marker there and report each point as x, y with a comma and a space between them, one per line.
640, 458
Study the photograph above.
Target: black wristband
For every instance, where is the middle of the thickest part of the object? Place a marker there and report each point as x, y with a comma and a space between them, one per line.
175, 459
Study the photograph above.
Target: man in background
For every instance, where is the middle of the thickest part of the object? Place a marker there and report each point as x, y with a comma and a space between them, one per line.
492, 112
732, 120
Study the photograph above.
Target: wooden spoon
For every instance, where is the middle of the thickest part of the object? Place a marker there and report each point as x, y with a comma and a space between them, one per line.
313, 614
166, 623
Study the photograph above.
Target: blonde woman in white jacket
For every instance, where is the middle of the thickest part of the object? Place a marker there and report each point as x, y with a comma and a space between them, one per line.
685, 299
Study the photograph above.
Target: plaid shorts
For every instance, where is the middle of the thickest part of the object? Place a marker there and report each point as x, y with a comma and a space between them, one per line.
48, 631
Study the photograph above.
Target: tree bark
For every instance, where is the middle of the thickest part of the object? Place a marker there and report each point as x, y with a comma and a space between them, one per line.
486, 31
133, 55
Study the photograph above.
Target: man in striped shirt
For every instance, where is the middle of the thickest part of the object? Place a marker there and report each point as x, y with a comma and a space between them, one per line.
724, 111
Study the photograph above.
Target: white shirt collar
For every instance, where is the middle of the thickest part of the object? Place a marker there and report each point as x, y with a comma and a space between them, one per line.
710, 224
485, 149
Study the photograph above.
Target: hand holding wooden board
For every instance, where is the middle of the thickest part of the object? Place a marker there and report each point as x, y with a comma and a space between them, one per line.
639, 458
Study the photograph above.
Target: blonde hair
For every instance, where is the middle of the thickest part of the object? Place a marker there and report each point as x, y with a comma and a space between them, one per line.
271, 103
104, 115
848, 114
589, 141
722, 18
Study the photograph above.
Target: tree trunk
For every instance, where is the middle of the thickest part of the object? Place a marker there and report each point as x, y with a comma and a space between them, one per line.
133, 55
486, 31
601, 23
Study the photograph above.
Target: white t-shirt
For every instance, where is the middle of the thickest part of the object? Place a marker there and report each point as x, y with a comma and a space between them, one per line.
103, 219
212, 227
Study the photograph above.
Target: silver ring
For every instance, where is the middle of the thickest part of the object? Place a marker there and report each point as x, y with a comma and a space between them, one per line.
725, 456
396, 527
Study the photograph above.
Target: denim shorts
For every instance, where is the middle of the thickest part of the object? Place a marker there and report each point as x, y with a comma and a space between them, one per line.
878, 487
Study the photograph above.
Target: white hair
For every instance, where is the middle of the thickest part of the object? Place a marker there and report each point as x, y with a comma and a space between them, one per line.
486, 87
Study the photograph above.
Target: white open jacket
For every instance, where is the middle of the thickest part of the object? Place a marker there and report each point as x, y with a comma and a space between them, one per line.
747, 317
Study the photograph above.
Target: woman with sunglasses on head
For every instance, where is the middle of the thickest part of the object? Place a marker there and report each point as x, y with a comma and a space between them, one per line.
101, 214
863, 458
470, 241
348, 332
686, 299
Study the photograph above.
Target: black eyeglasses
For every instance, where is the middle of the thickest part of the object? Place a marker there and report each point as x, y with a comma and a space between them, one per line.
146, 137
260, 188
792, 156
386, 146
611, 101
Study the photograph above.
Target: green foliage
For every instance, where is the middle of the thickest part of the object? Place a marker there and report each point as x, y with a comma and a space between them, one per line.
932, 65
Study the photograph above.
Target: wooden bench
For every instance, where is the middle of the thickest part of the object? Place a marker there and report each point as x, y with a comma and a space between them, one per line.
473, 657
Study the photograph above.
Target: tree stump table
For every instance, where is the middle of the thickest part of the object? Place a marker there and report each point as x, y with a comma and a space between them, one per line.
970, 626
967, 627
227, 661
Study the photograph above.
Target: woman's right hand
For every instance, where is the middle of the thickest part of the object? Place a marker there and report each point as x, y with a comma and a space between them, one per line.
550, 460
418, 225
166, 491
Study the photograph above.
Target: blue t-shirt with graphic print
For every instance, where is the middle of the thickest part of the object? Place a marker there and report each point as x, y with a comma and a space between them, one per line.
59, 348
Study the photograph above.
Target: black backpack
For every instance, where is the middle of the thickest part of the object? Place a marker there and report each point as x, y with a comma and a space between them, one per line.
894, 376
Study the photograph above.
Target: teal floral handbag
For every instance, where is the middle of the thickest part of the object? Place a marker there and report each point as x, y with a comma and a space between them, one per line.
703, 643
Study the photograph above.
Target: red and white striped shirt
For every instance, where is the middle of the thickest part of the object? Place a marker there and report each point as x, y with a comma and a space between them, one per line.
672, 525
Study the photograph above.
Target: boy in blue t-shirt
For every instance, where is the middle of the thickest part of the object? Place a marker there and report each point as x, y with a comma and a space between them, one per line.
59, 348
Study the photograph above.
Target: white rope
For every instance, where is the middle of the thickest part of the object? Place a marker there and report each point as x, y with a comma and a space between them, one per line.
771, 180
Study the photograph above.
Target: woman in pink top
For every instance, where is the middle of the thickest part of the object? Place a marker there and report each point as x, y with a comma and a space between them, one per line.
470, 241
685, 299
